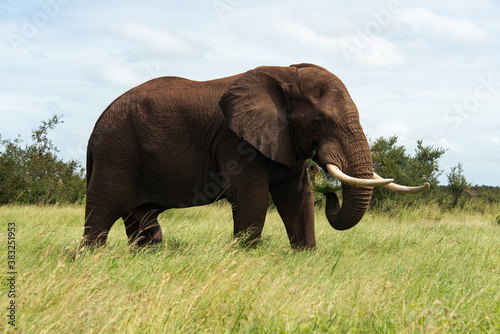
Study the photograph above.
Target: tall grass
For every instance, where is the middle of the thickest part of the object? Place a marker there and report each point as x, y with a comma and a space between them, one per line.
413, 271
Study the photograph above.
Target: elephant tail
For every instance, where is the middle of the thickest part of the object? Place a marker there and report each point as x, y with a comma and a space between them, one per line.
90, 163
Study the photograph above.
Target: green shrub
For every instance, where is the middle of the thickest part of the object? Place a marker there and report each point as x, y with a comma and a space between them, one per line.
321, 183
391, 160
457, 183
33, 174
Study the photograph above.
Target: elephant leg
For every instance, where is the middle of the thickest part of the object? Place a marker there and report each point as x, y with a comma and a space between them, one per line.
295, 203
249, 213
98, 222
142, 226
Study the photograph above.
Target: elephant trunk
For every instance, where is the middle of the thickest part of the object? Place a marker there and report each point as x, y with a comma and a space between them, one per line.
357, 184
354, 204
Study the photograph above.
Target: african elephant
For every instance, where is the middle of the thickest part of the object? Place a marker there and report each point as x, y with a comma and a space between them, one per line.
173, 142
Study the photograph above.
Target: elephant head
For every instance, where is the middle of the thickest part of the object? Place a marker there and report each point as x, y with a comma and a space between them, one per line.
304, 111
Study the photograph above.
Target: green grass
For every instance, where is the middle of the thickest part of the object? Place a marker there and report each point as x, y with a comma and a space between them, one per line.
422, 271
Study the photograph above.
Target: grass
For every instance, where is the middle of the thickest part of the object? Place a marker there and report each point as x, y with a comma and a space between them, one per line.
420, 271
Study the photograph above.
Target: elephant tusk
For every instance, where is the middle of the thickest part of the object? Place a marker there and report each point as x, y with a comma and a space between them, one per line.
402, 189
339, 175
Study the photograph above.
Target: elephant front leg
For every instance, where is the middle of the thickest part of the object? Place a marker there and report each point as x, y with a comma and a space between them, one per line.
295, 203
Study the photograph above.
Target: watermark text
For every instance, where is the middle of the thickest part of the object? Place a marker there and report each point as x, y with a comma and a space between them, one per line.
11, 273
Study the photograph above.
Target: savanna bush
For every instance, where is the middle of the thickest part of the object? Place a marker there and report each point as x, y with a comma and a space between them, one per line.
33, 174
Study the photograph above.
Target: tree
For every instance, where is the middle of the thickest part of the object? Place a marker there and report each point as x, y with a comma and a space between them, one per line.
457, 183
391, 160
34, 174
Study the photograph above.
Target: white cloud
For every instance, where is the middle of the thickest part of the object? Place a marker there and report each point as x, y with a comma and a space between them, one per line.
458, 29
447, 144
360, 49
156, 41
115, 74
375, 51
386, 129
305, 35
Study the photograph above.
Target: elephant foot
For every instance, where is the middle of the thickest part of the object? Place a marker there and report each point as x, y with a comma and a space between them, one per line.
150, 236
93, 239
142, 227
248, 239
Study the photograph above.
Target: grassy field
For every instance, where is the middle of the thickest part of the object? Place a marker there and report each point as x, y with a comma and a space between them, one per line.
423, 271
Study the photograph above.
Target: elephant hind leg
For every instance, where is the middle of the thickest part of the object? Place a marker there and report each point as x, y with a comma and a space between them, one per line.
142, 226
249, 214
98, 222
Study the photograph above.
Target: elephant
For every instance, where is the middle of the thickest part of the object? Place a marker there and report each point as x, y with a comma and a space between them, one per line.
172, 143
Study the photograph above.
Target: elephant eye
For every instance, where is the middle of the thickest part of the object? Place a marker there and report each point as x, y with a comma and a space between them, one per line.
318, 123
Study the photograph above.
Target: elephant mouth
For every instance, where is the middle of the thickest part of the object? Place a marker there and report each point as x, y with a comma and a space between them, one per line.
314, 150
308, 151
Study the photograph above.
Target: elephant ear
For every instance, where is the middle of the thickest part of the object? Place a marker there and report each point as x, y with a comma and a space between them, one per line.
303, 65
256, 110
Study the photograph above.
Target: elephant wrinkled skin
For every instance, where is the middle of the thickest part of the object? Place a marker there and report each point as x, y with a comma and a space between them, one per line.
173, 143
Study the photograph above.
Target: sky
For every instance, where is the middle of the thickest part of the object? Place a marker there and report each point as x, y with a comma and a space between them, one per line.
419, 70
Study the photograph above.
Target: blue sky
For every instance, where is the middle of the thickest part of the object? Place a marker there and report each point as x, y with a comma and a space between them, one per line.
421, 70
